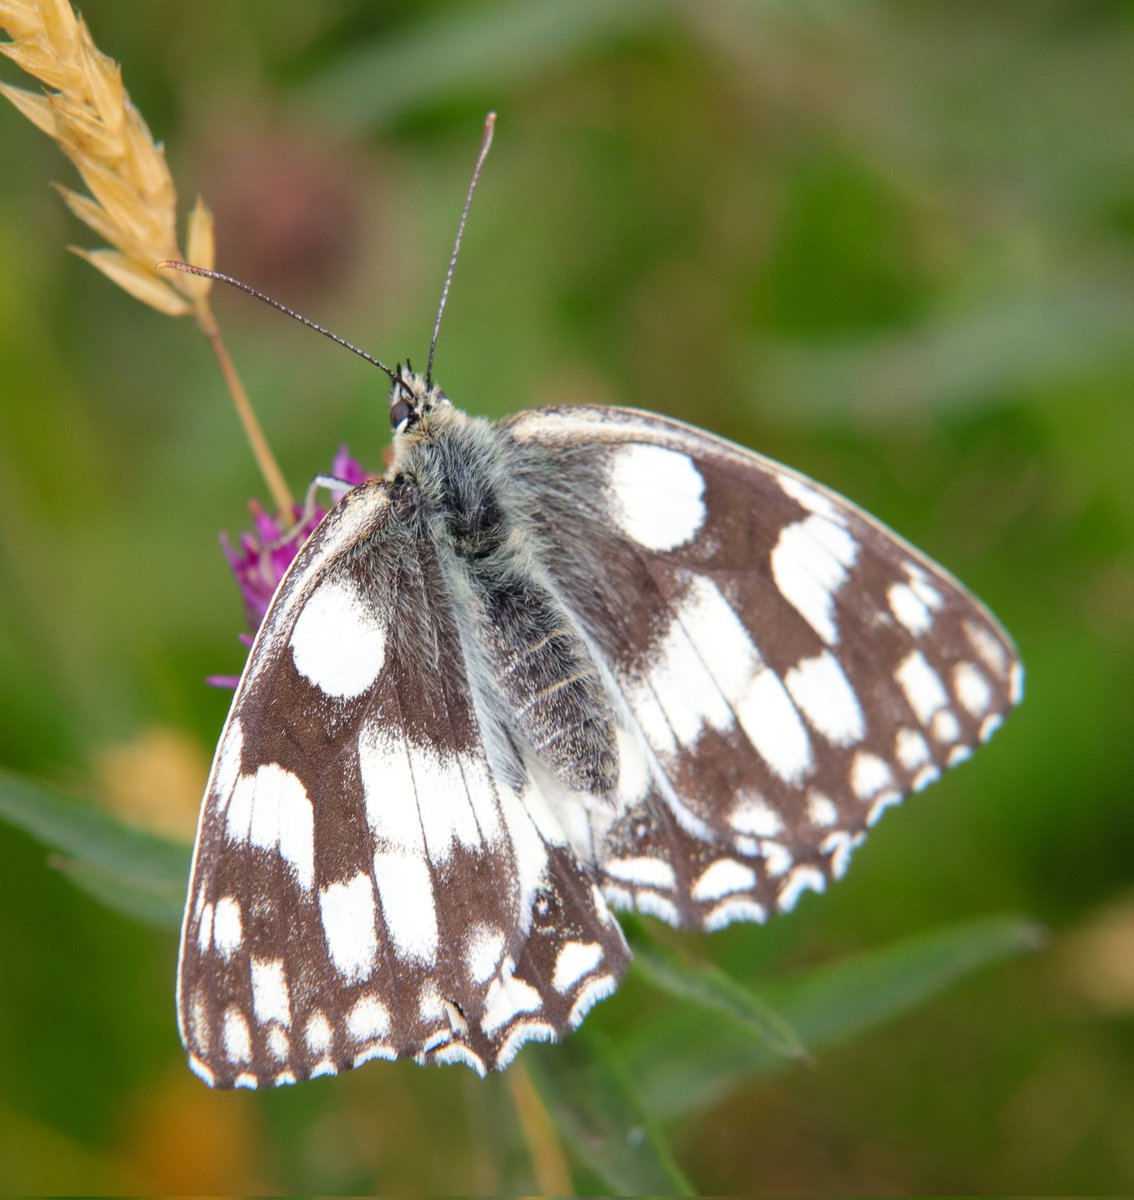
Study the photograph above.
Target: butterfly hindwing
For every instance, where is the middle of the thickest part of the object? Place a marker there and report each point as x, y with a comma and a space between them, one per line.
366, 882
791, 666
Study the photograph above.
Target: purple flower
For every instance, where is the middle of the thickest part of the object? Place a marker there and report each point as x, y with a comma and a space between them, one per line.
262, 555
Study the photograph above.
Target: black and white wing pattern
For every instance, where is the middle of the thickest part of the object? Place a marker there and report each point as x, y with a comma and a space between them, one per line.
374, 876
787, 667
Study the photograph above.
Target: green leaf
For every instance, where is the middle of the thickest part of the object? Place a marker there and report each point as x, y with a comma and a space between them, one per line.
136, 872
601, 1117
468, 48
146, 900
709, 987
683, 1063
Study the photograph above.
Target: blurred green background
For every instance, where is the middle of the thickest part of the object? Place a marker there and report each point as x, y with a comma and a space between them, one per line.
891, 243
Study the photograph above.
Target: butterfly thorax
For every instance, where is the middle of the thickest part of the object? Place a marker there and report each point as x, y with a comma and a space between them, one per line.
526, 658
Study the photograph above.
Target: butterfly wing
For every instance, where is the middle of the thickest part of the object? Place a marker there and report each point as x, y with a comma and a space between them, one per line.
368, 880
789, 667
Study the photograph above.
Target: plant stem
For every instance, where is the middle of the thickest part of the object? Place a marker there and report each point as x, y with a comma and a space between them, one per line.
547, 1155
265, 459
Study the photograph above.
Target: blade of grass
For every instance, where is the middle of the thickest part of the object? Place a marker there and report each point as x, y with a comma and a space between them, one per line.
682, 1063
709, 987
147, 901
603, 1120
137, 872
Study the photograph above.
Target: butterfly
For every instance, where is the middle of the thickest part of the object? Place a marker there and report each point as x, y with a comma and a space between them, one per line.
577, 661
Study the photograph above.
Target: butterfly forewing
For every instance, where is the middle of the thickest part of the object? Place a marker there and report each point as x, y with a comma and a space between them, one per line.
791, 666
367, 883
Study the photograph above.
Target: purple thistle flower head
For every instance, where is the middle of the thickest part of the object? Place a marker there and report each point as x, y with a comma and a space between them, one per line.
263, 554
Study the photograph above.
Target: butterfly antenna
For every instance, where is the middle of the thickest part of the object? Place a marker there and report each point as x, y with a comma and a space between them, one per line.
485, 143
190, 269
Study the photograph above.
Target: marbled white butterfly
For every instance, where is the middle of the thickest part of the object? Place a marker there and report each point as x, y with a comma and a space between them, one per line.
580, 660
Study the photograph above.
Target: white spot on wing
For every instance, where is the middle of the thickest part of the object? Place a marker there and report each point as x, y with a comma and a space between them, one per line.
989, 648
911, 749
923, 589
924, 777
657, 906
455, 1017
526, 1031
772, 724
408, 905
656, 495
688, 695
869, 775
838, 846
922, 686
824, 695
574, 960
392, 809
457, 1052
229, 757
281, 818
271, 1000
506, 999
348, 911
368, 1019
821, 810
884, 800
972, 688
802, 879
633, 768
318, 1033
416, 800
596, 990
238, 810
809, 565
482, 797
809, 497
777, 858
337, 643
228, 930
482, 952
205, 929
1016, 683
652, 719
443, 801
724, 876
909, 609
946, 727
279, 1044
990, 725
753, 815
201, 1071
736, 909
721, 641
528, 848
645, 872
237, 1043
373, 1051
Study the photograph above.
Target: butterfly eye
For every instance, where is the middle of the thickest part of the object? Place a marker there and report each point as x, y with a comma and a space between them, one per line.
399, 413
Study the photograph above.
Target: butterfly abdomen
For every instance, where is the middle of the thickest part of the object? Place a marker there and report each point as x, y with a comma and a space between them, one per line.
530, 653
556, 700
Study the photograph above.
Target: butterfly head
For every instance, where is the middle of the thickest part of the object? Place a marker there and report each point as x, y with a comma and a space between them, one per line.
412, 399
